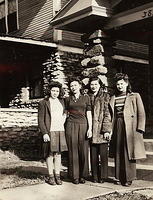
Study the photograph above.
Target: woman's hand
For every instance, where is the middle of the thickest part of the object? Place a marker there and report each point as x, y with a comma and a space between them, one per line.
46, 138
89, 133
107, 136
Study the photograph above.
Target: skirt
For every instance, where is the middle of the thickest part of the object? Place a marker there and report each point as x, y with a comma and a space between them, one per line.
57, 141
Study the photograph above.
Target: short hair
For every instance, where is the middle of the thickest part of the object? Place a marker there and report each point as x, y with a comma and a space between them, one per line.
122, 76
55, 84
95, 79
74, 79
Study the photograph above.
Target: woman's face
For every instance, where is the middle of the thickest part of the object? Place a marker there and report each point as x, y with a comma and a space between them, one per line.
94, 86
54, 92
75, 87
121, 85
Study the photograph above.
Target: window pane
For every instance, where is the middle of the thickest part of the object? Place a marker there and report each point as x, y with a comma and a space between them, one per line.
12, 22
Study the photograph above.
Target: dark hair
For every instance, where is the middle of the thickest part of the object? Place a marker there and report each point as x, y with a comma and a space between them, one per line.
95, 79
55, 84
72, 80
121, 76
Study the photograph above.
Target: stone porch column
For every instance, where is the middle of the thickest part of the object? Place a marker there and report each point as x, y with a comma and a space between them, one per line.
97, 56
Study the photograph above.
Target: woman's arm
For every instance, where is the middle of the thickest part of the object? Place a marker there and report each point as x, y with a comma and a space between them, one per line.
141, 114
41, 116
89, 120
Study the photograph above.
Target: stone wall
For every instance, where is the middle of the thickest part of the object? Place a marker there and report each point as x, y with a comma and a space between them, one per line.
19, 132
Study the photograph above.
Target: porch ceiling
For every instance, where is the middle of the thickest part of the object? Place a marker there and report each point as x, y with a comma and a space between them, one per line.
17, 56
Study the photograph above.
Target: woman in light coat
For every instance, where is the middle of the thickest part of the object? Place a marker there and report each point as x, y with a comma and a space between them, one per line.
128, 119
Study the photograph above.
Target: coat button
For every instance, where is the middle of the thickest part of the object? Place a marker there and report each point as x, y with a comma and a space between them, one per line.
132, 116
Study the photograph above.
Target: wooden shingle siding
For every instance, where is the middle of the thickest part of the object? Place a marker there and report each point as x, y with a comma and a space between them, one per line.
34, 18
72, 39
133, 49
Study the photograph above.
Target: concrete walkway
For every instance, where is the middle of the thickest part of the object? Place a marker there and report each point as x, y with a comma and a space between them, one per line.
69, 191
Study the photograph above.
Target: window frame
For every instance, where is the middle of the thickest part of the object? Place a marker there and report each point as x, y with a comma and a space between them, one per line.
6, 5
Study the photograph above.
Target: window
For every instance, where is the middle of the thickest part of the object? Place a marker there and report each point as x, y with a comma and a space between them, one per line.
56, 6
8, 16
36, 88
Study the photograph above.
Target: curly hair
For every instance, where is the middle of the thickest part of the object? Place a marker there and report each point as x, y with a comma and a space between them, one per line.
55, 84
95, 78
121, 76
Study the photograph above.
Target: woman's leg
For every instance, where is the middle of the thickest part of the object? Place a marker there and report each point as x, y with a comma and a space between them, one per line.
57, 163
83, 145
50, 167
103, 150
57, 167
72, 142
94, 162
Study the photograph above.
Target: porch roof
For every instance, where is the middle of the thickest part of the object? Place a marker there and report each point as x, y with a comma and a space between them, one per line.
27, 41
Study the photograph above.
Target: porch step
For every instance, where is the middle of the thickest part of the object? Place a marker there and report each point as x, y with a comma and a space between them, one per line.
144, 172
147, 161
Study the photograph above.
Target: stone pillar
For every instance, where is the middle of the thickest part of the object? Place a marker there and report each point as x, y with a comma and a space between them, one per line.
53, 70
97, 53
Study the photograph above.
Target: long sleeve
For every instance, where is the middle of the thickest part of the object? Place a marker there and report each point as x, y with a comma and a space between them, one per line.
140, 113
107, 125
41, 117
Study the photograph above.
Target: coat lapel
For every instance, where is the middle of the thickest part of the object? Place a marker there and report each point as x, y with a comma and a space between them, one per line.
127, 102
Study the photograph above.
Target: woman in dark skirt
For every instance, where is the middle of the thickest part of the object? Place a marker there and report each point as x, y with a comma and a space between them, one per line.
78, 130
128, 117
51, 119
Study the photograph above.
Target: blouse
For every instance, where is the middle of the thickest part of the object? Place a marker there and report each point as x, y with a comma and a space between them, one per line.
77, 108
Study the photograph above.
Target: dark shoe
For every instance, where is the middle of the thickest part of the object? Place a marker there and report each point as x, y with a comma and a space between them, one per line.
95, 181
127, 184
82, 180
58, 180
75, 181
51, 180
117, 183
101, 181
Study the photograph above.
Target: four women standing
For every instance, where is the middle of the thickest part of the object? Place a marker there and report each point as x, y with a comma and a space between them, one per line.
93, 115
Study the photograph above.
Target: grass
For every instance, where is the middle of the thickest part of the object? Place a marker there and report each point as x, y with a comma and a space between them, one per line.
123, 196
15, 172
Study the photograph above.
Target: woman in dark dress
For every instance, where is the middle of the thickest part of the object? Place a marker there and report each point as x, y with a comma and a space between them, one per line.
128, 117
78, 130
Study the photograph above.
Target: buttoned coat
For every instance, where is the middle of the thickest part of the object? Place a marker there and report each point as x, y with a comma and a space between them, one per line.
101, 119
134, 118
44, 124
